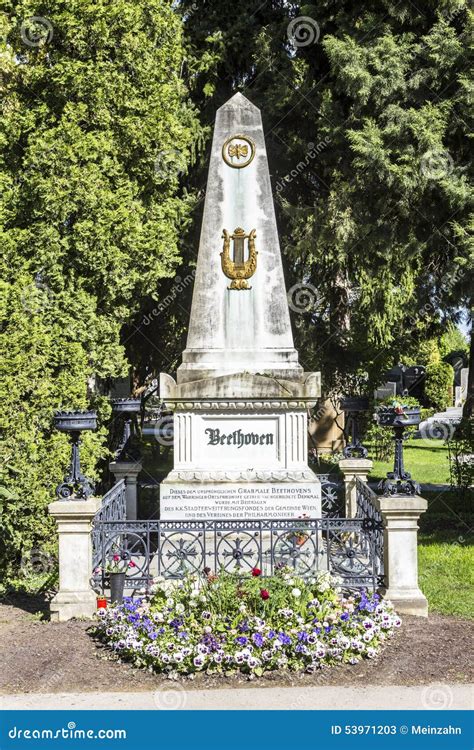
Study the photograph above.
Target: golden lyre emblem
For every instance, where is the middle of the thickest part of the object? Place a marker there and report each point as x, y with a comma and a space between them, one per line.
238, 151
239, 269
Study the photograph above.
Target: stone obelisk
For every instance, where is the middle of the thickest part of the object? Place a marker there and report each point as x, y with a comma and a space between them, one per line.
241, 397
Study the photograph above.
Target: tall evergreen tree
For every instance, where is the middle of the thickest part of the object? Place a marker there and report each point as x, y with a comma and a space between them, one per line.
94, 113
365, 107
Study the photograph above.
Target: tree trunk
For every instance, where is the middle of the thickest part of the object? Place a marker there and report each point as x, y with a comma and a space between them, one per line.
468, 405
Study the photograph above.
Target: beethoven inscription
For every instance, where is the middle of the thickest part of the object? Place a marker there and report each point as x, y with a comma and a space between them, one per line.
238, 438
252, 500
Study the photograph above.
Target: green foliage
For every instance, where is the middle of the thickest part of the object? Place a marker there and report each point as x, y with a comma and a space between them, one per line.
426, 460
95, 132
446, 552
461, 449
239, 622
432, 350
452, 341
380, 438
376, 107
446, 565
438, 384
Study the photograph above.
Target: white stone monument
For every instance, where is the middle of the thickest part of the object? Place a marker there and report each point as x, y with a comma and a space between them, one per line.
241, 397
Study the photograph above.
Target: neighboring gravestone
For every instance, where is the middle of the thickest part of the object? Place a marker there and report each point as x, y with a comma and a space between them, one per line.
395, 375
458, 361
413, 381
388, 390
241, 397
464, 381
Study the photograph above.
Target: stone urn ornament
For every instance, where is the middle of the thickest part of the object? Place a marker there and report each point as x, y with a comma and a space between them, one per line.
399, 416
75, 486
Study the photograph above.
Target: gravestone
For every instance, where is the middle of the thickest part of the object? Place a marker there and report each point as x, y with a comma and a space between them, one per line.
413, 381
464, 383
395, 375
240, 398
387, 390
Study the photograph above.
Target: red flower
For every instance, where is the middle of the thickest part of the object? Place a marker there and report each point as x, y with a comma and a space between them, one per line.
256, 572
131, 564
264, 594
116, 558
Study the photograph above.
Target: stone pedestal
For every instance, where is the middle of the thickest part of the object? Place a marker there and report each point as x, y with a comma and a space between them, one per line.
400, 515
353, 468
129, 471
240, 460
75, 597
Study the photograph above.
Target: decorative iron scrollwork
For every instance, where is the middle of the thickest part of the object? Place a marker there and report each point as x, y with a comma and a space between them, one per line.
75, 486
351, 548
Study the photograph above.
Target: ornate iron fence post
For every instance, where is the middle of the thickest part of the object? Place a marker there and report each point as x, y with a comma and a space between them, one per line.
75, 485
128, 448
398, 481
353, 407
127, 463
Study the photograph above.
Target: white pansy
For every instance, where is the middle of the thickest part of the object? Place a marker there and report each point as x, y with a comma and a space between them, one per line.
296, 592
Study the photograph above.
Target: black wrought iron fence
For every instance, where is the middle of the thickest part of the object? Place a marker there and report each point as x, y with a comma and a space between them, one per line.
351, 549
113, 508
371, 518
332, 495
346, 547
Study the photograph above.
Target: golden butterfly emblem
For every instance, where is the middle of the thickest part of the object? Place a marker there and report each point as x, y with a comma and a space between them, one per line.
239, 150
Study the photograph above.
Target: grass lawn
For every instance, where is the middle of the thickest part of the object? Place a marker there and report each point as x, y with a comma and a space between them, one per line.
446, 564
446, 553
426, 460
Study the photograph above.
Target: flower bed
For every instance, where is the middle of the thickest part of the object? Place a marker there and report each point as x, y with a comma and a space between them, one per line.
246, 624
